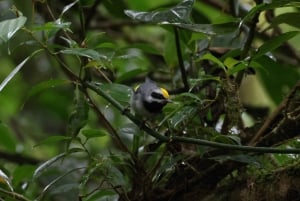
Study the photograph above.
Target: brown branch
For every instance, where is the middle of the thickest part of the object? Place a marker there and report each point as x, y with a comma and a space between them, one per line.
18, 158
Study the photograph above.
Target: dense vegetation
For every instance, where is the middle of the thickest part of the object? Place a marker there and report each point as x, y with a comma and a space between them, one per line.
68, 68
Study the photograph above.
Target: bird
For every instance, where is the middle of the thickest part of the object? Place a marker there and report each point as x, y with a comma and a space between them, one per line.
147, 99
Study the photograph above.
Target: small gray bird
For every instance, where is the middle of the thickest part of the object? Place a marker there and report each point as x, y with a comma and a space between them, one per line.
148, 99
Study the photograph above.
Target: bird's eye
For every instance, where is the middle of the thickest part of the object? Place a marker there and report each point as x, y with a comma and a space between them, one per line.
157, 95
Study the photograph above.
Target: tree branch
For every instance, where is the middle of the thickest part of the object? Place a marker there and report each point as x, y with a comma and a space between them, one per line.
188, 140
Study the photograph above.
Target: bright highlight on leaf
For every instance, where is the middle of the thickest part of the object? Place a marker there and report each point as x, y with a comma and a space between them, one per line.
8, 28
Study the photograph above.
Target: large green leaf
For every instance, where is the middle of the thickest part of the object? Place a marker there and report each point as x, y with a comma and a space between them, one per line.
8, 28
269, 6
178, 14
276, 77
274, 43
287, 18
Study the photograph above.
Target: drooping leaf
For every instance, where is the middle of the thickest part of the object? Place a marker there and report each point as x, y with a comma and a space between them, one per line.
178, 14
44, 166
274, 43
8, 28
16, 70
5, 180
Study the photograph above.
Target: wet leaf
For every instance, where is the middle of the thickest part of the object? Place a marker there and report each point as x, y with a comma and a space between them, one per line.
8, 28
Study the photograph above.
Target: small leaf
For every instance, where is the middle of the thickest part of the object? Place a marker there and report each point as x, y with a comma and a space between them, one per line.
274, 43
67, 7
214, 59
91, 133
5, 180
54, 139
8, 28
43, 167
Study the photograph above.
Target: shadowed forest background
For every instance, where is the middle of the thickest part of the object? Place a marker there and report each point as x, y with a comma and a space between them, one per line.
67, 70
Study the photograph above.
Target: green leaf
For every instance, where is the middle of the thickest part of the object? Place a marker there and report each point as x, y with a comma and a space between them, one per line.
16, 70
269, 6
22, 174
102, 194
7, 138
53, 139
291, 19
275, 75
274, 43
43, 86
178, 14
5, 180
181, 115
84, 52
79, 115
243, 158
8, 28
91, 133
214, 59
43, 167
119, 92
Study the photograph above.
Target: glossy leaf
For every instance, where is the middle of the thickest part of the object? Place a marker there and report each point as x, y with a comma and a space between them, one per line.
5, 180
16, 70
119, 92
178, 14
44, 166
8, 28
274, 43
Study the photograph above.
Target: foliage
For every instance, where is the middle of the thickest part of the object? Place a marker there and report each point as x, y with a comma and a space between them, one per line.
67, 133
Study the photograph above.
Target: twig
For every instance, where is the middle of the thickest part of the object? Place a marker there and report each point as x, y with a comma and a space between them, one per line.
18, 158
13, 195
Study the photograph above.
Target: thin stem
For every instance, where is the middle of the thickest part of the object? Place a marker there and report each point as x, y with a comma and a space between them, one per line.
180, 60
